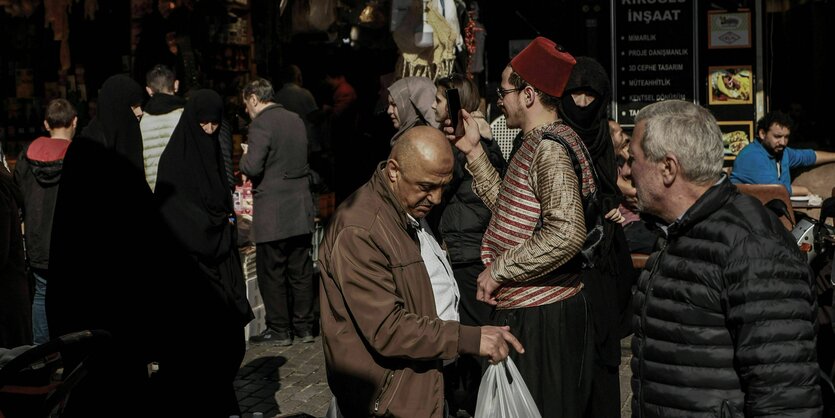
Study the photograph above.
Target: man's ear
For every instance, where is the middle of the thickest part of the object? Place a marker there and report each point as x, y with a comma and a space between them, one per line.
529, 95
176, 86
761, 133
671, 169
150, 92
46, 125
392, 169
74, 123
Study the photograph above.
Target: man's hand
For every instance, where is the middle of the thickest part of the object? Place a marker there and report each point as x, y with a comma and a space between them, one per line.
494, 343
469, 143
486, 287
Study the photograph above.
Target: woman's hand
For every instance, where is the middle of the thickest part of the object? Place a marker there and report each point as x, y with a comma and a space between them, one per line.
615, 216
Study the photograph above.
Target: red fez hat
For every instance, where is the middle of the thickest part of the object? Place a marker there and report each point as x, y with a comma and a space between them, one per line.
544, 65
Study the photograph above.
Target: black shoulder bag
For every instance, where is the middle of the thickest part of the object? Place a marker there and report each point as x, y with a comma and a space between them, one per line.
592, 209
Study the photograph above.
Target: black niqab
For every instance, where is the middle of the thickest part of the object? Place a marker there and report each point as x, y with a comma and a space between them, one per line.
191, 187
115, 125
608, 285
592, 124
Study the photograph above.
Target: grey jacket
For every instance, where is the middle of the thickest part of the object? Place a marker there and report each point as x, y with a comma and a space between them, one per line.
276, 162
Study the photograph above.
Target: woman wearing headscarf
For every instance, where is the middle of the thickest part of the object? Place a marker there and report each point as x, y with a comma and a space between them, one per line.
608, 284
106, 268
410, 104
196, 205
116, 125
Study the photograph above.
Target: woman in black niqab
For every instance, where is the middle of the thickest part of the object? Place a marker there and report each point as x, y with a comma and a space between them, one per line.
196, 205
106, 268
116, 126
191, 188
591, 122
608, 285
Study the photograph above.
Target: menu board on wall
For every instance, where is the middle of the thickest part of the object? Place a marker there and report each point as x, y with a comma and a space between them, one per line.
655, 48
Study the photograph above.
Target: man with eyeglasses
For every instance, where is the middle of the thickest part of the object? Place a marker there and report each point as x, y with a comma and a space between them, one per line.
532, 244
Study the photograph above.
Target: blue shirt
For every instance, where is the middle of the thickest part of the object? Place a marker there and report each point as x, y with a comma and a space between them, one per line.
755, 165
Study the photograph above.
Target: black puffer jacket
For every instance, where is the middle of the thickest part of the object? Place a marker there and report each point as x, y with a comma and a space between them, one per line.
463, 216
724, 323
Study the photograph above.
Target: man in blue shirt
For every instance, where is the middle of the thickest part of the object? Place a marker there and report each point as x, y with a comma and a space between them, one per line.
769, 160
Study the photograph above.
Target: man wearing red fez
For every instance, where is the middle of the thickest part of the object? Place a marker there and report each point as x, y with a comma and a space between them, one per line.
532, 244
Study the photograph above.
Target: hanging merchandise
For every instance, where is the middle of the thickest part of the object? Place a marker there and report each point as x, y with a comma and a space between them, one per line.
371, 16
57, 12
449, 10
90, 8
399, 11
322, 14
423, 33
474, 38
19, 8
425, 19
313, 15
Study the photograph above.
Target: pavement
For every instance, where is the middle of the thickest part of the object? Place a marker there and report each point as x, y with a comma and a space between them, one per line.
283, 381
291, 381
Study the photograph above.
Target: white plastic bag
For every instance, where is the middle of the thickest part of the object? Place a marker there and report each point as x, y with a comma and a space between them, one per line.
499, 397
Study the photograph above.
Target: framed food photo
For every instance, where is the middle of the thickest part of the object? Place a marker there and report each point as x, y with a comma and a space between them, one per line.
736, 135
730, 85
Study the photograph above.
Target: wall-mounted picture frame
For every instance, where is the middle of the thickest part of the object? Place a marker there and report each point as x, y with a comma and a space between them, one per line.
736, 135
730, 85
729, 30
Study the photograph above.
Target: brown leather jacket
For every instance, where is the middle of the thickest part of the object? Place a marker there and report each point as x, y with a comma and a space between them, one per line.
383, 340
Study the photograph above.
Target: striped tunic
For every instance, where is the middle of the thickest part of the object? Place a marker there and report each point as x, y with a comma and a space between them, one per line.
533, 263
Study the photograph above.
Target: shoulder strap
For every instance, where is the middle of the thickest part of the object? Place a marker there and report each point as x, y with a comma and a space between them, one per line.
578, 169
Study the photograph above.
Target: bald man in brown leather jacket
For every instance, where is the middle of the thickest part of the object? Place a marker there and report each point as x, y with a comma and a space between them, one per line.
384, 343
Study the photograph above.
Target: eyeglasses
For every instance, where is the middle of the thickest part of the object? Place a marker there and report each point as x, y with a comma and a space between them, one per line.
503, 93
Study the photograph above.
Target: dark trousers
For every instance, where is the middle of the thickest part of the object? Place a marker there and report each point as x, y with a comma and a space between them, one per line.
605, 393
462, 378
285, 278
472, 311
461, 381
558, 362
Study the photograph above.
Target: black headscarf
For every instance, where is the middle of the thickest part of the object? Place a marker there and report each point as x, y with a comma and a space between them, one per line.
191, 183
592, 124
115, 125
196, 205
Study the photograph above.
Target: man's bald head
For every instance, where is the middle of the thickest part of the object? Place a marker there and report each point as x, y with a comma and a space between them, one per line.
419, 166
421, 145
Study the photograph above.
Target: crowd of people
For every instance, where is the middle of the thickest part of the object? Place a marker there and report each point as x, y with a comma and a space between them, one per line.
450, 257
